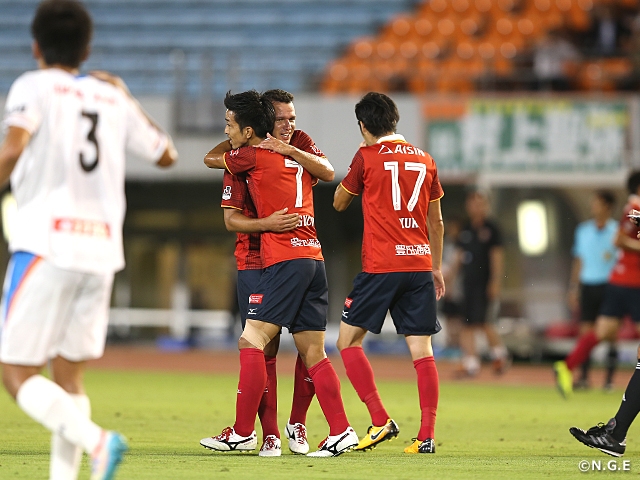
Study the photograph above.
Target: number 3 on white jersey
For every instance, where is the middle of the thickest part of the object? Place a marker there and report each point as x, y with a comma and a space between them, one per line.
421, 168
292, 164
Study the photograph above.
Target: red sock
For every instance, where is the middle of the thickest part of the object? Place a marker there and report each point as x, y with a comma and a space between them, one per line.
268, 409
428, 391
303, 392
327, 386
360, 373
251, 385
582, 350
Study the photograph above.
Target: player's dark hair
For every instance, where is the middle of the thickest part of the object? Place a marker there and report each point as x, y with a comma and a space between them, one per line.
250, 109
606, 197
63, 30
633, 182
378, 113
278, 95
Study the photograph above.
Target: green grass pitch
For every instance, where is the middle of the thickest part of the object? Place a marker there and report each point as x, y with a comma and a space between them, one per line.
482, 432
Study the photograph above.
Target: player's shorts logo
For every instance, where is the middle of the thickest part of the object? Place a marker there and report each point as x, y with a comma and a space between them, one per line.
255, 298
226, 194
348, 302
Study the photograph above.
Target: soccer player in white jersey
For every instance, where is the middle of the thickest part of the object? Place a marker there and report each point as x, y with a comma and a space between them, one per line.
64, 150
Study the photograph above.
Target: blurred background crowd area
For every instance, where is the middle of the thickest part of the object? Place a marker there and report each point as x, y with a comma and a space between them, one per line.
535, 101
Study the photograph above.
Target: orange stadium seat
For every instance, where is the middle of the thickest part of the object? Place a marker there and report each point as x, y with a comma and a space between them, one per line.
602, 75
438, 7
453, 77
579, 19
460, 6
423, 26
363, 48
469, 26
483, 6
401, 26
409, 49
422, 76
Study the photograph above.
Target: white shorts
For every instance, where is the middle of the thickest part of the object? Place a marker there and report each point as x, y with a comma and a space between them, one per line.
49, 312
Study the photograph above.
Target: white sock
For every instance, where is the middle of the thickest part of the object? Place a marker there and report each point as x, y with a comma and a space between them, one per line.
65, 456
48, 404
499, 352
471, 364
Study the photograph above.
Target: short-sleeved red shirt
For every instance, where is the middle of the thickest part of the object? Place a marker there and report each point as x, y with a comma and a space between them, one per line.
276, 182
235, 194
397, 181
626, 272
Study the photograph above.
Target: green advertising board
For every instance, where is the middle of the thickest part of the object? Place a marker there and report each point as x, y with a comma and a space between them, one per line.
529, 135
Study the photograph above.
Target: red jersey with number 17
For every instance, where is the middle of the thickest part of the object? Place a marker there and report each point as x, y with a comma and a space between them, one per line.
276, 182
397, 182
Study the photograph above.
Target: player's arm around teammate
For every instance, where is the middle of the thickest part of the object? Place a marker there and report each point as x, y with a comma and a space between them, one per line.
292, 291
288, 141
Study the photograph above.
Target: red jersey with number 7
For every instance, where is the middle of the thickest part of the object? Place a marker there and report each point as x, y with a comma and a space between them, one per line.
235, 194
276, 182
397, 181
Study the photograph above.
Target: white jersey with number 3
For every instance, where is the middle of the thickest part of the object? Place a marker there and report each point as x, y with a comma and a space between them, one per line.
69, 180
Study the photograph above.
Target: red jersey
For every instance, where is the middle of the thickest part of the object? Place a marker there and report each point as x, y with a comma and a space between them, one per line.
235, 194
397, 182
276, 182
626, 272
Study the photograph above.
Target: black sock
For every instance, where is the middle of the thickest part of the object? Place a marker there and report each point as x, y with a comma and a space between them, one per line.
584, 369
629, 407
611, 363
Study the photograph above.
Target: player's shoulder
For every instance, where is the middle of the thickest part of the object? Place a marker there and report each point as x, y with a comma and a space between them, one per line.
585, 225
249, 152
102, 89
30, 79
300, 136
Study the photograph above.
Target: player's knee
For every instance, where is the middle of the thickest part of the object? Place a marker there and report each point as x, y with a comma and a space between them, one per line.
271, 350
72, 386
253, 337
13, 378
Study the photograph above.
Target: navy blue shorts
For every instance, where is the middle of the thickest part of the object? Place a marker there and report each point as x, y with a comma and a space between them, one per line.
621, 301
475, 306
409, 296
292, 294
591, 301
247, 282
